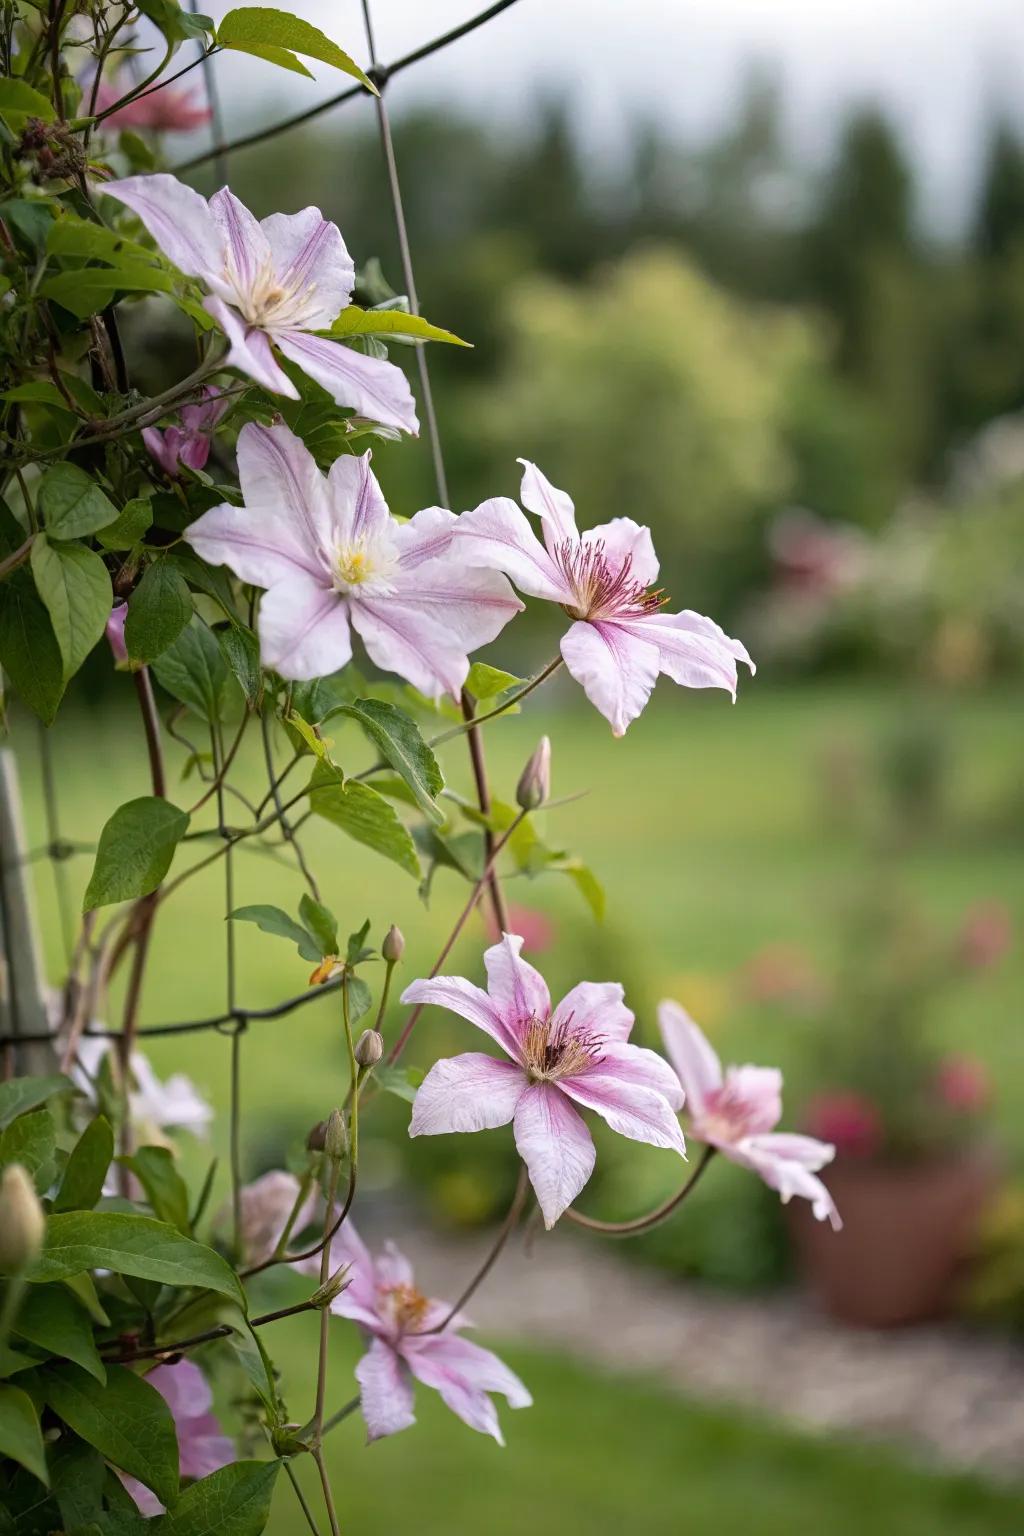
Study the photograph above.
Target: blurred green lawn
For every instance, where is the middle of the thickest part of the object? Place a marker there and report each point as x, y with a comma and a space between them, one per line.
706, 824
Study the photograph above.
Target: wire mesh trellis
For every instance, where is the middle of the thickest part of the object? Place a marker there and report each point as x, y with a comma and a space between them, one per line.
24, 1032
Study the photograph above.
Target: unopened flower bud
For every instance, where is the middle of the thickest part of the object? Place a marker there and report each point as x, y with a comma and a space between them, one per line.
534, 785
317, 1137
335, 1136
369, 1048
22, 1222
287, 1439
394, 945
338, 1282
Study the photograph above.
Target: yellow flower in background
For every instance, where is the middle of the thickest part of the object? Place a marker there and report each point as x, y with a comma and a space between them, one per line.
705, 994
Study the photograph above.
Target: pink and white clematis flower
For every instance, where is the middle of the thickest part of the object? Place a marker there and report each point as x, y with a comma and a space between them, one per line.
736, 1111
165, 109
203, 1447
382, 1298
331, 555
577, 1053
188, 444
266, 1206
604, 579
273, 283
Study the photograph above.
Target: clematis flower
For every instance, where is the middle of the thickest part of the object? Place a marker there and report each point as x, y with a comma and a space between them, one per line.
267, 1204
331, 555
115, 633
577, 1053
166, 109
174, 1104
382, 1298
604, 580
273, 283
736, 1111
188, 444
203, 1447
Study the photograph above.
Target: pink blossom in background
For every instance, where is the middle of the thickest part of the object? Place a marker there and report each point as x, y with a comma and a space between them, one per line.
115, 633
190, 443
273, 283
736, 1112
814, 556
574, 1054
267, 1204
537, 931
395, 1317
963, 1083
332, 558
985, 935
169, 109
604, 580
203, 1447
781, 973
849, 1121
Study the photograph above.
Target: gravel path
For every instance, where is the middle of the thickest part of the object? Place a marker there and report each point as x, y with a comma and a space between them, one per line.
950, 1396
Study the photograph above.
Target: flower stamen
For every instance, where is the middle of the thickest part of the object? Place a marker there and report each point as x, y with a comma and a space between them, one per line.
602, 591
554, 1049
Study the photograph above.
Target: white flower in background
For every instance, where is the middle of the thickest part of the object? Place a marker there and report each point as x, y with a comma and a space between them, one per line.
155, 1106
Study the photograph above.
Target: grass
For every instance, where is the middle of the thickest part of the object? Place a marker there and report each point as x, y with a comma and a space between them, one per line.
707, 824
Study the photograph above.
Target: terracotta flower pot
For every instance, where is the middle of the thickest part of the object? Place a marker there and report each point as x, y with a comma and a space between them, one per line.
906, 1231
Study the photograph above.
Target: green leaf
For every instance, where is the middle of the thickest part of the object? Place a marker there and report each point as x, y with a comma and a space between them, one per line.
364, 815
38, 392
30, 217
135, 850
158, 610
29, 652
24, 1093
31, 1140
77, 1473
586, 882
127, 1421
397, 738
19, 101
309, 735
234, 1501
70, 235
88, 290
321, 923
354, 321
86, 1169
72, 504
360, 998
176, 24
251, 28
131, 1245
486, 682
50, 1317
20, 1436
279, 56
75, 587
165, 1188
401, 1081
242, 653
84, 1287
193, 670
132, 523
273, 920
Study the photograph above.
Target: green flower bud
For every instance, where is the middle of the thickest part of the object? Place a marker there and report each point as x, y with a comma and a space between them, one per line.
22, 1221
394, 945
336, 1136
369, 1048
534, 785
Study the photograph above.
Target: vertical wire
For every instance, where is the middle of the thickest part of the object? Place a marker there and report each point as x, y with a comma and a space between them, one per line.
55, 845
220, 157
238, 1025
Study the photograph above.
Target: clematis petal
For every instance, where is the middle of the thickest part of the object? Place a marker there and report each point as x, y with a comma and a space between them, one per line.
462, 997
391, 1266
256, 547
357, 501
697, 1066
497, 536
472, 606
400, 638
556, 1147
369, 385
519, 992
611, 1089
788, 1163
426, 536
179, 220
385, 1391
308, 251
693, 650
552, 506
646, 1068
280, 479
463, 1373
616, 670
623, 540
250, 350
598, 1009
241, 237
473, 1092
303, 629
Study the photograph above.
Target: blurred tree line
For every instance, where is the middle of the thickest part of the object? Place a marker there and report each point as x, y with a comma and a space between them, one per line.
696, 335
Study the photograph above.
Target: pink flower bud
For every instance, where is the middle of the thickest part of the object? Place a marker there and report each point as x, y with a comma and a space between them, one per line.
963, 1084
115, 633
189, 443
849, 1121
534, 785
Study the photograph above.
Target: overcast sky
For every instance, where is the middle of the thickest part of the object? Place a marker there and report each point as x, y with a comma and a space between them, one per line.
942, 66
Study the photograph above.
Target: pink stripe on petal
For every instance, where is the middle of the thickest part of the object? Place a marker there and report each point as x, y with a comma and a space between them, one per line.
461, 997
556, 1147
553, 506
473, 1092
250, 351
627, 1106
368, 385
255, 547
646, 1068
400, 639
303, 629
696, 1063
597, 1008
519, 991
177, 217
357, 502
385, 1391
616, 670
245, 241
496, 535
308, 252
